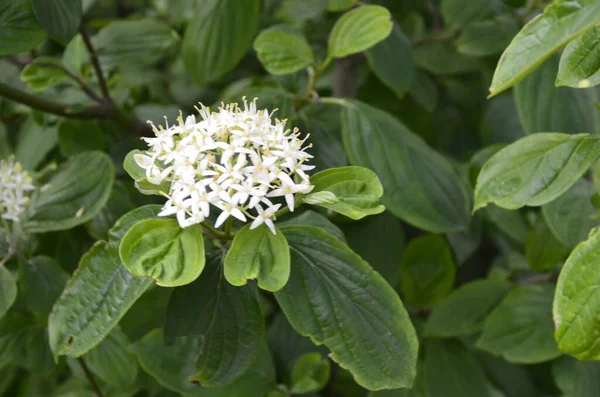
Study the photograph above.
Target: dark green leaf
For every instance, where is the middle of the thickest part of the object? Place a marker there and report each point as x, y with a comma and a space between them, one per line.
577, 378
542, 249
465, 310
520, 329
500, 123
580, 61
41, 282
125, 223
227, 318
511, 223
34, 143
489, 37
19, 31
76, 136
112, 361
8, 290
162, 250
442, 58
392, 61
463, 12
121, 201
220, 34
538, 40
310, 373
60, 18
321, 301
93, 302
512, 379
359, 29
282, 52
420, 186
427, 271
171, 366
535, 170
258, 255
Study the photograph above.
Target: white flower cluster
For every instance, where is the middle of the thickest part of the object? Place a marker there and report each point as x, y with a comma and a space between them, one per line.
14, 185
234, 159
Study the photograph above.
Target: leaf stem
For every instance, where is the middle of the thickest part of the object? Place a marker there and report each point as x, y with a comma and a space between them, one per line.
228, 227
214, 232
90, 377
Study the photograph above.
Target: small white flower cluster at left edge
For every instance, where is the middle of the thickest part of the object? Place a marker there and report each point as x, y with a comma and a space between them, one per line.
236, 160
15, 183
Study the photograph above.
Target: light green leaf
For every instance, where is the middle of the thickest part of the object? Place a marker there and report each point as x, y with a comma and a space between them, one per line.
569, 217
463, 12
130, 166
350, 191
580, 61
258, 255
535, 170
162, 250
520, 329
125, 223
43, 73
112, 361
576, 303
19, 30
539, 40
392, 62
218, 37
172, 365
576, 378
489, 37
420, 186
8, 290
310, 374
542, 250
34, 143
359, 29
282, 52
60, 18
536, 96
74, 195
331, 312
75, 55
227, 318
427, 271
76, 136
464, 311
41, 281
340, 5
452, 371
133, 43
73, 328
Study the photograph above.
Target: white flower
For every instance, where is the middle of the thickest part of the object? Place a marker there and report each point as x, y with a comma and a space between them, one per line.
15, 183
231, 160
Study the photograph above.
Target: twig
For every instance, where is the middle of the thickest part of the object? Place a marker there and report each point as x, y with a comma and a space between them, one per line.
90, 377
95, 63
437, 38
540, 278
215, 233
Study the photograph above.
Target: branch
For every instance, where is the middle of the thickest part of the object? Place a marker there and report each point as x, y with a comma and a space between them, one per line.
59, 109
90, 377
95, 62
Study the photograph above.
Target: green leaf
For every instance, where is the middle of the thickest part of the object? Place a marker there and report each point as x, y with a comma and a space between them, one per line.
576, 301
424, 91
282, 52
43, 73
500, 122
41, 281
359, 29
37, 354
76, 55
134, 43
218, 37
464, 311
5, 146
74, 195
511, 223
569, 217
258, 255
312, 218
463, 12
94, 300
452, 371
331, 312
535, 170
392, 62
580, 61
350, 191
60, 18
489, 37
227, 318
542, 249
340, 5
136, 172
19, 31
8, 290
310, 374
538, 40
34, 143
121, 201
171, 366
520, 329
112, 361
514, 380
162, 250
427, 271
576, 378
420, 186
77, 136
125, 223
442, 58
536, 95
